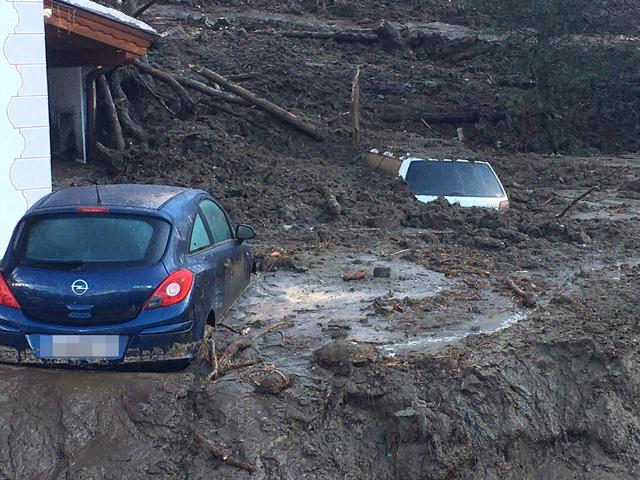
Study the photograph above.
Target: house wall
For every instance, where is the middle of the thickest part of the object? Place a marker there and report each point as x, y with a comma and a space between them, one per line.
25, 165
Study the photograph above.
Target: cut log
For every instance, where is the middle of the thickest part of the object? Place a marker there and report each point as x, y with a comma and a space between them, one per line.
262, 103
121, 102
443, 118
355, 108
212, 92
104, 93
187, 107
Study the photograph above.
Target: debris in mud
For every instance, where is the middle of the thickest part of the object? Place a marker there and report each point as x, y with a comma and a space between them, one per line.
340, 356
351, 276
224, 454
273, 381
528, 298
278, 260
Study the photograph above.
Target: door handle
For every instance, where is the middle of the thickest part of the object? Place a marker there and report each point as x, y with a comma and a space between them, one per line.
227, 263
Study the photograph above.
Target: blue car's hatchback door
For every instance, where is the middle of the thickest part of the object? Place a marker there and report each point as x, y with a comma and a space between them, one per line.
87, 268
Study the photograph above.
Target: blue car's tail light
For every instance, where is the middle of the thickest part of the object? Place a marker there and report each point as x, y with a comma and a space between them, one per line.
172, 290
7, 299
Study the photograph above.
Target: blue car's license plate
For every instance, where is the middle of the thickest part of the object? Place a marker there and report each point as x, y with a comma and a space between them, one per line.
107, 347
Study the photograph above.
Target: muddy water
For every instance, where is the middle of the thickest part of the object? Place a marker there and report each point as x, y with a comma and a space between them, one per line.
322, 305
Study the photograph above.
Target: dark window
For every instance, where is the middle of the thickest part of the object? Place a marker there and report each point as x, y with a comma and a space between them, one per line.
87, 239
217, 221
456, 179
199, 236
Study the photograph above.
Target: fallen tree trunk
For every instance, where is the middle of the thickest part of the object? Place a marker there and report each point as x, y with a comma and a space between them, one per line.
444, 118
122, 106
362, 36
187, 106
212, 92
104, 93
262, 103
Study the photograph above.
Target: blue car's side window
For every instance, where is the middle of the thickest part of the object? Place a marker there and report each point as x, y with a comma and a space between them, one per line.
199, 236
217, 221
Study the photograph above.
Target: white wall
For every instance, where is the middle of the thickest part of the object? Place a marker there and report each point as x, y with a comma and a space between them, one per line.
25, 165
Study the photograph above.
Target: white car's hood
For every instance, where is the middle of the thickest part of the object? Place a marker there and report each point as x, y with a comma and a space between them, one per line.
486, 202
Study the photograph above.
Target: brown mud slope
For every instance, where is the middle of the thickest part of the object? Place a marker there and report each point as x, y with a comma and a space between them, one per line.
436, 372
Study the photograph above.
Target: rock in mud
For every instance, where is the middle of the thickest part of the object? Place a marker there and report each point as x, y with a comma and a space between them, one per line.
489, 243
580, 237
274, 382
381, 272
340, 356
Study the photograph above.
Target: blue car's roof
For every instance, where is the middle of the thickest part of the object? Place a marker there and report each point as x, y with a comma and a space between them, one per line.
141, 196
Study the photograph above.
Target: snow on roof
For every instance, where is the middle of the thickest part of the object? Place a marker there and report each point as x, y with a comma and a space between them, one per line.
110, 13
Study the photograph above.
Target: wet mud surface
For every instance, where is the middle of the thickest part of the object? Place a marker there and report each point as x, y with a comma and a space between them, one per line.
434, 372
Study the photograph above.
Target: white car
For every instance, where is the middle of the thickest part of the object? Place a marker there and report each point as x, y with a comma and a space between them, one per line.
469, 184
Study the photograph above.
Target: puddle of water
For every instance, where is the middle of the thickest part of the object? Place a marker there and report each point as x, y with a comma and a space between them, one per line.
319, 302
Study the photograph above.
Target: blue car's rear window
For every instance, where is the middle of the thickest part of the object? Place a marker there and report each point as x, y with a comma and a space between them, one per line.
92, 239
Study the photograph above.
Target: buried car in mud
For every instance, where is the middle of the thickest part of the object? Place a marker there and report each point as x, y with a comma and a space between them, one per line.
462, 182
119, 274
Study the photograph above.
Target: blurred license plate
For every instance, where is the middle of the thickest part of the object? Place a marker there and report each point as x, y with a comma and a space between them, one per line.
80, 346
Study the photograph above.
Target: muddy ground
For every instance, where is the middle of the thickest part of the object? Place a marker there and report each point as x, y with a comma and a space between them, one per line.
435, 372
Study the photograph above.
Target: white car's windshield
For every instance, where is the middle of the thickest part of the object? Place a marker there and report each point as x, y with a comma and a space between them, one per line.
459, 179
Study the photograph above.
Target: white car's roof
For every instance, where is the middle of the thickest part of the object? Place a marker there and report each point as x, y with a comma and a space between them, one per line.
417, 159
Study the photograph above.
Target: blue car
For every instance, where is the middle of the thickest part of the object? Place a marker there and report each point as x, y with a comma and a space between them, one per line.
119, 274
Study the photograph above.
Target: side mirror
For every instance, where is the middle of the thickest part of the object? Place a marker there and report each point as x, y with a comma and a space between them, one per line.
245, 232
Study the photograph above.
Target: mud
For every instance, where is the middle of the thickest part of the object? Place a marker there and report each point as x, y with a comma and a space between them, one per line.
435, 372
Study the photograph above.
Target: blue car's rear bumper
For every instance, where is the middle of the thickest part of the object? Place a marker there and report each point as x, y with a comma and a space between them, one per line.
167, 334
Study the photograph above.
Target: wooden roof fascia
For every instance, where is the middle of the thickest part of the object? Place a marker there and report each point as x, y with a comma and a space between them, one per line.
105, 30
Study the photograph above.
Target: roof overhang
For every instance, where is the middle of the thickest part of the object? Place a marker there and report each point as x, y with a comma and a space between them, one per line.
78, 36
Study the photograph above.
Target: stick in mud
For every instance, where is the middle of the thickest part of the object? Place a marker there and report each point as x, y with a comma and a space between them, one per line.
355, 108
576, 200
242, 342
